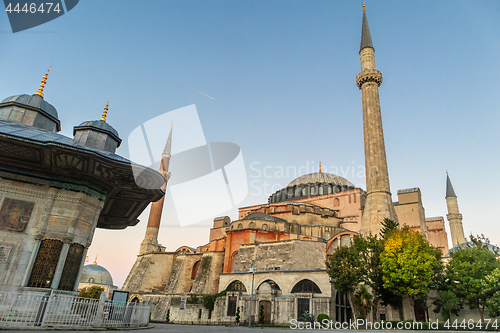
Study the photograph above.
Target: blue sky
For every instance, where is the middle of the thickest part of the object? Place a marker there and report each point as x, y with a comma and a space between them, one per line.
282, 78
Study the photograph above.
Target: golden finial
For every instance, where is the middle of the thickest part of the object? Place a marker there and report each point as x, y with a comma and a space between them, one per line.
104, 114
95, 261
364, 9
447, 172
42, 85
320, 167
171, 127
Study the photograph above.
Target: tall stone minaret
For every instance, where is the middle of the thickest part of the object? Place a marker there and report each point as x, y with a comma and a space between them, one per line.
150, 242
454, 217
378, 203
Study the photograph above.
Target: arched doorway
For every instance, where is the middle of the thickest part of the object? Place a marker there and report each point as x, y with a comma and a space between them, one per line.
195, 269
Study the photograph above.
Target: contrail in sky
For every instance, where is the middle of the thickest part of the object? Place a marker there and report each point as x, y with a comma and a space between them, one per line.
205, 94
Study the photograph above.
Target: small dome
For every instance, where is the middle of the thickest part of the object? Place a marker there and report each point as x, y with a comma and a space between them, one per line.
97, 134
321, 177
31, 110
94, 273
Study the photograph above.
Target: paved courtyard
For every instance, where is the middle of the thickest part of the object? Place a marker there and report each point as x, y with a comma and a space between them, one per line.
171, 328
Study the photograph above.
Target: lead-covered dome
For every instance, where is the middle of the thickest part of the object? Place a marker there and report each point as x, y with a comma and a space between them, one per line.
310, 185
320, 177
94, 273
30, 110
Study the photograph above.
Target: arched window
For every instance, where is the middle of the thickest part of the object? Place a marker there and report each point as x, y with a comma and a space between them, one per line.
240, 226
135, 300
306, 286
312, 190
304, 192
354, 198
336, 202
45, 264
236, 285
329, 190
320, 190
269, 285
264, 227
195, 269
297, 191
233, 261
252, 225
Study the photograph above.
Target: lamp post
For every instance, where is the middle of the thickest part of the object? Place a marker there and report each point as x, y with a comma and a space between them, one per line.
252, 270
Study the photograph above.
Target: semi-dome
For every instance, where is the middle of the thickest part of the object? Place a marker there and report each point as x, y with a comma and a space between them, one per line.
320, 177
310, 185
263, 217
96, 274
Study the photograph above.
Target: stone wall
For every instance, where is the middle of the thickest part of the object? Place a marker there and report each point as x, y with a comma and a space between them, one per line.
150, 271
207, 277
283, 255
180, 278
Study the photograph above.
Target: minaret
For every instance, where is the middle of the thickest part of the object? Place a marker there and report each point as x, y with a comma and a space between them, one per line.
378, 203
150, 242
454, 217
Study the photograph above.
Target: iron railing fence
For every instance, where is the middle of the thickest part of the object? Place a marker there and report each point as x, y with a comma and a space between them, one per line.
36, 309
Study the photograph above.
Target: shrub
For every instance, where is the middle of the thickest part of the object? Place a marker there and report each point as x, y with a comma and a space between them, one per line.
237, 315
322, 317
261, 314
167, 319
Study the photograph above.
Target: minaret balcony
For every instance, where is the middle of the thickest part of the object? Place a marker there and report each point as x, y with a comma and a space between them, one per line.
369, 75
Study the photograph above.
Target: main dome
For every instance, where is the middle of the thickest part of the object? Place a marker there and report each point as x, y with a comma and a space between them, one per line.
320, 177
311, 185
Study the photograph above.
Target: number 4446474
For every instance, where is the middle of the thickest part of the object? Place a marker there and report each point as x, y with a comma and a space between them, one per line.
32, 8
471, 324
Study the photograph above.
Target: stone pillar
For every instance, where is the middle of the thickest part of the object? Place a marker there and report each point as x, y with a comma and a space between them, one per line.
378, 203
60, 265
31, 262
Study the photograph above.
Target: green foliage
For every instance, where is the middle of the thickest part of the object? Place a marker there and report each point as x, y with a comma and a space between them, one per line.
466, 272
322, 317
344, 269
306, 316
91, 292
261, 314
363, 301
491, 286
388, 226
209, 300
408, 263
448, 303
193, 299
167, 319
237, 315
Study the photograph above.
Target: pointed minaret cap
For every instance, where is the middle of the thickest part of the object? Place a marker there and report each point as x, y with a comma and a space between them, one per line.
449, 188
168, 146
95, 261
366, 38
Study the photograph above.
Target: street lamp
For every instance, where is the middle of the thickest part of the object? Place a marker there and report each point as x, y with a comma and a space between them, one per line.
252, 270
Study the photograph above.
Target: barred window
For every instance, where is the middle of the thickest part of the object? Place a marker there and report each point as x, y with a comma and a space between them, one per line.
45, 264
71, 267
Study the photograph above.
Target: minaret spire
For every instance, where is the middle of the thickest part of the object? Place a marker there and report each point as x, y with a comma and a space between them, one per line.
150, 242
366, 38
454, 217
378, 205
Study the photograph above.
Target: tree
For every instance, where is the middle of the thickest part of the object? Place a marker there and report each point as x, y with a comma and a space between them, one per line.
261, 314
448, 303
408, 263
91, 292
388, 226
491, 286
363, 301
237, 318
344, 269
467, 269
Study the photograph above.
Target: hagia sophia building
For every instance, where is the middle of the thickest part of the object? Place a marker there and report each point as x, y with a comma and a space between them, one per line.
287, 240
